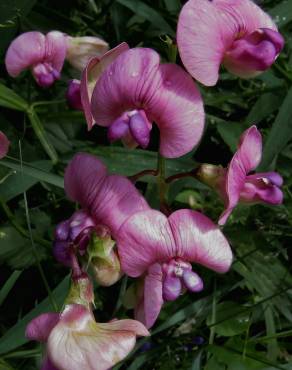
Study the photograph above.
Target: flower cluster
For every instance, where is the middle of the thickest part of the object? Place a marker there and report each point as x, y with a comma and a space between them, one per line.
115, 231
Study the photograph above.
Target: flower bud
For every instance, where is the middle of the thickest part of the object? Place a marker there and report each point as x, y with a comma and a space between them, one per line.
81, 49
104, 260
211, 175
73, 95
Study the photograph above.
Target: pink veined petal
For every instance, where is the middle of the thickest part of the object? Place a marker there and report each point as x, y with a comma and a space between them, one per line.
128, 83
85, 344
26, 50
199, 240
260, 191
40, 327
91, 74
117, 199
178, 110
82, 177
153, 300
246, 159
56, 48
206, 29
145, 238
4, 145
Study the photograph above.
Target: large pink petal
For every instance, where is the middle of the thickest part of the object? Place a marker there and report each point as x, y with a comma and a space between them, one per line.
26, 50
246, 159
78, 342
145, 238
91, 74
40, 328
153, 300
56, 48
110, 199
4, 145
128, 83
199, 240
206, 29
82, 178
178, 110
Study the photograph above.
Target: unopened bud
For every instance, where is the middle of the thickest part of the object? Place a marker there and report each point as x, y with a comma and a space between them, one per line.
211, 175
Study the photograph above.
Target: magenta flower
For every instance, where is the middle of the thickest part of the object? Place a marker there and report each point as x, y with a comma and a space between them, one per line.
4, 145
73, 95
236, 33
108, 199
241, 185
43, 54
76, 341
133, 90
163, 248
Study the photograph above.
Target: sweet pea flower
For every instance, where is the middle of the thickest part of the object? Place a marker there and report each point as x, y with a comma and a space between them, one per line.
161, 249
73, 95
235, 33
129, 89
81, 49
76, 341
237, 183
4, 145
43, 54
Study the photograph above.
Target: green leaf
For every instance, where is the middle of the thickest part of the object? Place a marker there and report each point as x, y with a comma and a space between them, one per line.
33, 172
42, 135
234, 326
173, 6
149, 14
280, 133
9, 99
14, 337
230, 133
282, 13
196, 365
9, 284
16, 182
273, 349
264, 106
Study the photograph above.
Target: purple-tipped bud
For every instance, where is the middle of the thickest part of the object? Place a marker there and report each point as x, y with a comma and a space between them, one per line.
45, 74
61, 251
73, 95
192, 281
140, 128
62, 230
80, 224
172, 288
118, 129
254, 53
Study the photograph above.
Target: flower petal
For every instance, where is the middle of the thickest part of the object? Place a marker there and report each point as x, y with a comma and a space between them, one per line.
246, 159
91, 74
206, 29
56, 48
4, 145
153, 300
77, 342
128, 83
47, 365
25, 51
199, 240
145, 238
178, 110
40, 327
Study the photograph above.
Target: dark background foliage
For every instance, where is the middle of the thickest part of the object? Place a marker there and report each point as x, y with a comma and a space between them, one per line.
242, 320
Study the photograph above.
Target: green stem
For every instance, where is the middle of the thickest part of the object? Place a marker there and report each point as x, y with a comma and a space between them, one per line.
162, 187
49, 102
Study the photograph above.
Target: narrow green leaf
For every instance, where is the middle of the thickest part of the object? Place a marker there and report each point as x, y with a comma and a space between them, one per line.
34, 172
273, 349
172, 6
148, 13
14, 337
9, 284
9, 99
42, 136
264, 106
282, 13
196, 365
280, 133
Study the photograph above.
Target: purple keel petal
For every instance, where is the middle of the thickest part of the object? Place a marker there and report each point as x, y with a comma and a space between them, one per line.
145, 238
40, 327
199, 240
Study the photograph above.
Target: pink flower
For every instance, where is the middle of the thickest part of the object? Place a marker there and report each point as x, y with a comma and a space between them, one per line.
43, 54
73, 95
4, 145
236, 33
108, 199
132, 90
81, 49
240, 185
162, 248
76, 341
